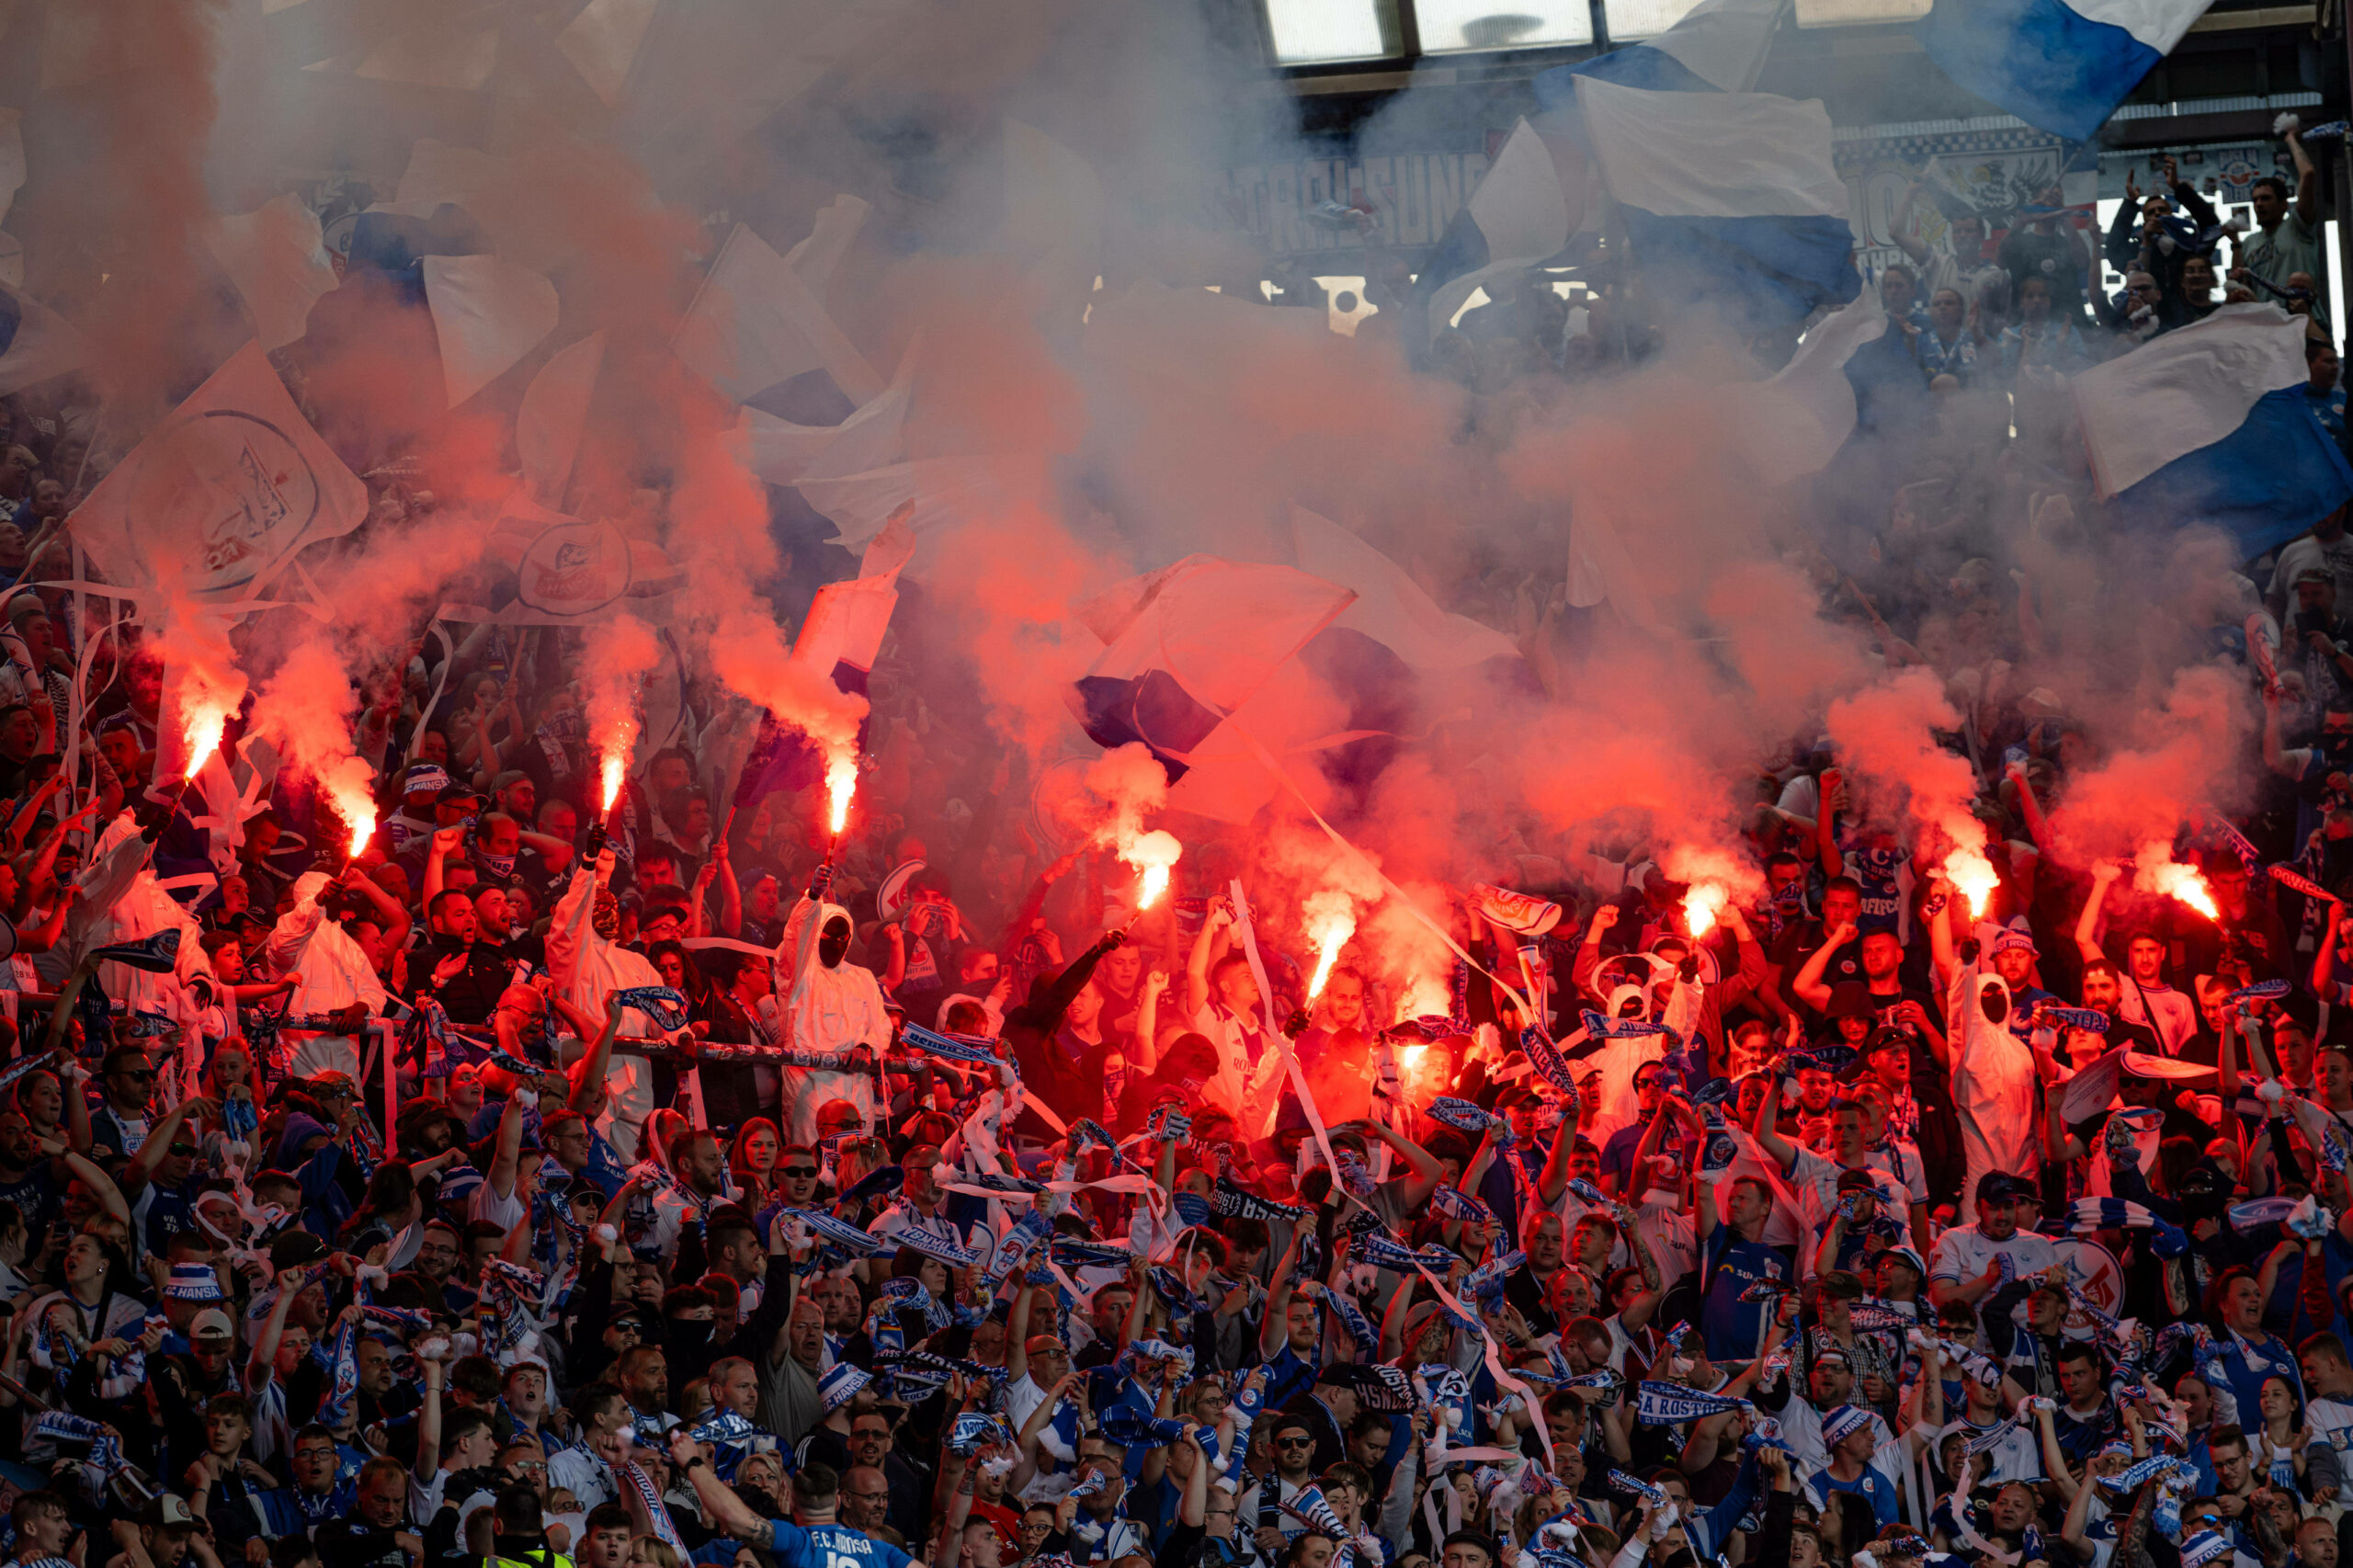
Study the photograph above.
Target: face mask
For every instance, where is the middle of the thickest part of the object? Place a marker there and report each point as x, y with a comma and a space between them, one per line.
1994, 1002
605, 919
833, 943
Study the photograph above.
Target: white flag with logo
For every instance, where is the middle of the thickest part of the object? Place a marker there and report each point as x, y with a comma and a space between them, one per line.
223, 493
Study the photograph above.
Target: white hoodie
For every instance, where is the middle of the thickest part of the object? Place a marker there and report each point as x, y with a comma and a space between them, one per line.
830, 1009
330, 973
584, 966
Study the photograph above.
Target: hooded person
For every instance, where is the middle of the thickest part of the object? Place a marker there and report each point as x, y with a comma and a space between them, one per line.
118, 899
1994, 1081
1620, 1057
586, 964
331, 975
832, 1004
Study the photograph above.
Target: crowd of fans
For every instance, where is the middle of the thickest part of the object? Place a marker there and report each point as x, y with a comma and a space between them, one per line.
675, 1181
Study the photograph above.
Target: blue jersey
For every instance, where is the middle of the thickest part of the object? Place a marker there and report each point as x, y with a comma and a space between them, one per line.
831, 1546
1731, 1326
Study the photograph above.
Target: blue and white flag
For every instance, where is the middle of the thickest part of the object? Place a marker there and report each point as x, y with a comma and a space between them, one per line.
157, 954
1621, 1028
950, 1047
1189, 643
840, 1233
1728, 199
2210, 424
1718, 47
1525, 208
665, 1007
1670, 1404
2060, 67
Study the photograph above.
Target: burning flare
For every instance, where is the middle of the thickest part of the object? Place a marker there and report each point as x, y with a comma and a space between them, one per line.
1150, 854
1426, 996
1701, 904
1972, 877
619, 652
360, 812
203, 722
1331, 921
2155, 871
841, 783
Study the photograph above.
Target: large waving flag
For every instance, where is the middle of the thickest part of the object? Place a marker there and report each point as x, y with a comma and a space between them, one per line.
1729, 198
1390, 607
35, 342
487, 313
222, 494
277, 255
756, 321
841, 634
2060, 65
1794, 422
2210, 424
1718, 47
1527, 205
1188, 644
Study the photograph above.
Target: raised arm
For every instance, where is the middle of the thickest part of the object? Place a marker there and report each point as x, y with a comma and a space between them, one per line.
1808, 984
1196, 963
429, 1425
2104, 875
1274, 1328
2307, 182
588, 1073
721, 1504
505, 1161
389, 912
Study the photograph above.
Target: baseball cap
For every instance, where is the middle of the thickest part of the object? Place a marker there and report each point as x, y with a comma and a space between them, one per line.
210, 1324
164, 1510
293, 1249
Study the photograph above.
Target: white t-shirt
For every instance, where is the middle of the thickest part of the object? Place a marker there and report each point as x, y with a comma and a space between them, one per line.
1814, 1178
1965, 1253
2176, 1015
2333, 1418
505, 1212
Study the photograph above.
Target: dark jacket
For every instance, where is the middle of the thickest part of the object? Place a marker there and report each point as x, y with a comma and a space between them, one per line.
1062, 1084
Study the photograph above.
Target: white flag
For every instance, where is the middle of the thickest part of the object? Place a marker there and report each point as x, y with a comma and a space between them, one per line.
1794, 423
755, 322
942, 491
487, 313
277, 255
35, 342
223, 493
784, 453
1390, 607
602, 43
555, 409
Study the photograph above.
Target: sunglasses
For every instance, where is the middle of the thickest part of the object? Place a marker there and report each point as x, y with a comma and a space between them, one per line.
1294, 1442
800, 1173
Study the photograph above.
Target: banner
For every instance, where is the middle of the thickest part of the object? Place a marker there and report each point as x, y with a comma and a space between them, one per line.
1670, 1404
223, 493
1995, 174
543, 568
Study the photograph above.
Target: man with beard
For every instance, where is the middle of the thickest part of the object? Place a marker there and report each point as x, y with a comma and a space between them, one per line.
458, 970
2147, 1000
